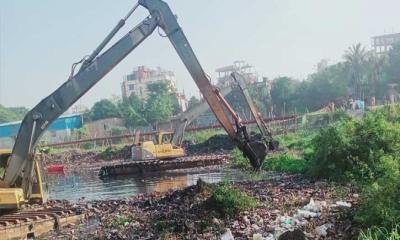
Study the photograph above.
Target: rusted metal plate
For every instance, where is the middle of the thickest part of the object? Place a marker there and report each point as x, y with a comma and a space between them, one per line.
36, 222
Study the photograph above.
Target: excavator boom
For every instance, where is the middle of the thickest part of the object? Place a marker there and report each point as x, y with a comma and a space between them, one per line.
20, 166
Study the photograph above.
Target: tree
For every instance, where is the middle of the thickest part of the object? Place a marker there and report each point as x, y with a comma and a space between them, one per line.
376, 84
261, 96
392, 68
356, 56
12, 114
193, 102
326, 85
159, 105
132, 110
282, 92
102, 110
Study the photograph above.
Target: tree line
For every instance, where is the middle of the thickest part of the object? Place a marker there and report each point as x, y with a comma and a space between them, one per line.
361, 74
10, 114
160, 104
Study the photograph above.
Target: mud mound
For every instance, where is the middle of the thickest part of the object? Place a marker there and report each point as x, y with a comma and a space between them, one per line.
114, 153
215, 144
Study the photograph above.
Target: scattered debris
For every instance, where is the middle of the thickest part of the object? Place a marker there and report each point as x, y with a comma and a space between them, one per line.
227, 235
189, 214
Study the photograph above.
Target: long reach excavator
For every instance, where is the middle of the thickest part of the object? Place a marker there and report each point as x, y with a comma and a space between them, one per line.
22, 179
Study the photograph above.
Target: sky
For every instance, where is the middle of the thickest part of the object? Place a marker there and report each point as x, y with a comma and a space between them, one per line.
39, 40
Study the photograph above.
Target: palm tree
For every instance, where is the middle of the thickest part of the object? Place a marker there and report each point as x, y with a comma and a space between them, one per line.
356, 57
375, 69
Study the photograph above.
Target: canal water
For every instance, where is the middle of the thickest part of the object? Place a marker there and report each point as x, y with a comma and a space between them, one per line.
74, 186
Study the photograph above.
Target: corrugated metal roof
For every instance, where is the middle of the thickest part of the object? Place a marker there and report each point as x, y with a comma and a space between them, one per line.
71, 121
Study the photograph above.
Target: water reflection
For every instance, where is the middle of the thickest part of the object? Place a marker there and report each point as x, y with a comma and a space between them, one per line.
88, 185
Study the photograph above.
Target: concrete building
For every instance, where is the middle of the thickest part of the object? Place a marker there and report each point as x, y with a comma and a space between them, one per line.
383, 43
136, 83
182, 100
238, 66
59, 131
103, 127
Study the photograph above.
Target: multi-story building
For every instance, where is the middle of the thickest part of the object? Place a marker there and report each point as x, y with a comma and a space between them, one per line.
238, 66
136, 83
383, 43
182, 100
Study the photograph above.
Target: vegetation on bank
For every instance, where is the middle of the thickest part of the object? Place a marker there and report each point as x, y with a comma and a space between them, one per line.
10, 114
365, 152
230, 201
161, 104
377, 233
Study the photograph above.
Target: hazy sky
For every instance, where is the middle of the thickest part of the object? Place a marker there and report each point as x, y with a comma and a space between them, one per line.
41, 39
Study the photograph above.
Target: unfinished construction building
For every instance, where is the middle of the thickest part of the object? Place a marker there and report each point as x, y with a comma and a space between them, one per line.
241, 67
383, 43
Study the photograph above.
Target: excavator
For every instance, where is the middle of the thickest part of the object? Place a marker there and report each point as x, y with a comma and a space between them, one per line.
168, 145
22, 178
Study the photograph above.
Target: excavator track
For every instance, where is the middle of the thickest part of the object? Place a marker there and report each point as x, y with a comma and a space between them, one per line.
135, 167
31, 223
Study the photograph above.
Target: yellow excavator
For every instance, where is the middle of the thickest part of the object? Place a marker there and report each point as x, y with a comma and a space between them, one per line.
168, 145
13, 198
158, 147
22, 179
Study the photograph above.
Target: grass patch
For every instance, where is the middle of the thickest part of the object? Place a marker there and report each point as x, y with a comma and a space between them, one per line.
240, 161
289, 162
230, 201
296, 141
376, 233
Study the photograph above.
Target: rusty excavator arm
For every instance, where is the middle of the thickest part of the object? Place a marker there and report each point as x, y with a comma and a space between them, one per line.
93, 68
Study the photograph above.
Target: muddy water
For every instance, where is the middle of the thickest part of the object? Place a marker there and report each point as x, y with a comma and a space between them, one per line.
73, 186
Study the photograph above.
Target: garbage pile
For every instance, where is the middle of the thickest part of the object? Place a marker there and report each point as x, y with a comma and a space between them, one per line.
289, 207
76, 159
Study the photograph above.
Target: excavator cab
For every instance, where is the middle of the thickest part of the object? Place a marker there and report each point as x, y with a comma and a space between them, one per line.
13, 198
159, 147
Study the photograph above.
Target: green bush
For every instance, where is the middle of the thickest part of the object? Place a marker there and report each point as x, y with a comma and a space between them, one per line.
380, 203
110, 153
352, 148
365, 151
287, 162
230, 201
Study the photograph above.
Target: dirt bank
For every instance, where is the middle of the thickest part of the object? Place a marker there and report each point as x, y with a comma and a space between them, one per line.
315, 209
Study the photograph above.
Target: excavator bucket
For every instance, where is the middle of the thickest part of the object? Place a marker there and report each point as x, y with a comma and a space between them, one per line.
255, 151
